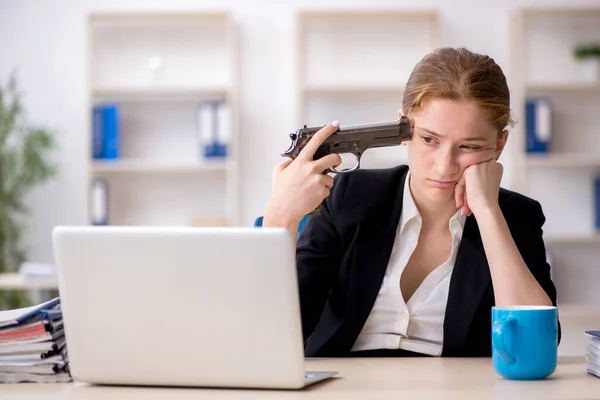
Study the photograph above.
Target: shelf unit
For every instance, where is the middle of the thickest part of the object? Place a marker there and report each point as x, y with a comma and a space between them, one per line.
581, 239
568, 160
122, 166
158, 67
353, 66
542, 65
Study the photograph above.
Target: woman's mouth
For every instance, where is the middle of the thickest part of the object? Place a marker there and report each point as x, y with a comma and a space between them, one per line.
441, 184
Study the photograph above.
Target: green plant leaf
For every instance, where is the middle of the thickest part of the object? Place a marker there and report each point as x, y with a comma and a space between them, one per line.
25, 162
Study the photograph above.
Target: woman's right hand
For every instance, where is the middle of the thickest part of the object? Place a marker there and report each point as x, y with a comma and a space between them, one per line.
299, 185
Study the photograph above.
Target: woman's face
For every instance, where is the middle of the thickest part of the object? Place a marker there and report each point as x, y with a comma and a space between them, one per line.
448, 137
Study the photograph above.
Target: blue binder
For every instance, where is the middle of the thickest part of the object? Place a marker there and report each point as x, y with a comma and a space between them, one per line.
597, 203
538, 116
106, 131
47, 310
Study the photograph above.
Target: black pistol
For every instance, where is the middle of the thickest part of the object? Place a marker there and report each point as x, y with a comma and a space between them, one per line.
352, 139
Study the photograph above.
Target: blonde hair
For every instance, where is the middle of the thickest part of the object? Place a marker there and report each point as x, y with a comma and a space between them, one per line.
459, 74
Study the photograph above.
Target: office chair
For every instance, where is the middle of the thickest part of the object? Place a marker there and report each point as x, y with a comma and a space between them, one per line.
258, 223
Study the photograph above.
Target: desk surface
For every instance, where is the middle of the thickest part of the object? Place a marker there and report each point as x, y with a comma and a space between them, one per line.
384, 378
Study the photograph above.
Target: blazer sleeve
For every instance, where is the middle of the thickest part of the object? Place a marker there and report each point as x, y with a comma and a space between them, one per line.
529, 240
318, 256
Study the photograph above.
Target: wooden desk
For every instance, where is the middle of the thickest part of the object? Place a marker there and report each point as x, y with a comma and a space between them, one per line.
370, 379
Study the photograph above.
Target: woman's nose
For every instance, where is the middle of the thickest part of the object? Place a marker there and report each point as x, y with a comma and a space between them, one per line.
445, 164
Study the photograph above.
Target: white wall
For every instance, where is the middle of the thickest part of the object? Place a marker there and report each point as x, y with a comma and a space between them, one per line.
46, 40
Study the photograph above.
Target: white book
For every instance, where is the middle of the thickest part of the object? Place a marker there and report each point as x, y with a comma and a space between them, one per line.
32, 369
12, 377
50, 345
224, 123
205, 124
54, 360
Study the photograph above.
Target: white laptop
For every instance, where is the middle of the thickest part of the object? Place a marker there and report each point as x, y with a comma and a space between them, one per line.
208, 307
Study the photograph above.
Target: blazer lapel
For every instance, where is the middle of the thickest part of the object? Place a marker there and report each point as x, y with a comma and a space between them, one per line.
371, 256
469, 282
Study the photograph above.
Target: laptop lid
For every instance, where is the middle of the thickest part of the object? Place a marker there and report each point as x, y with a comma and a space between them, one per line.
180, 306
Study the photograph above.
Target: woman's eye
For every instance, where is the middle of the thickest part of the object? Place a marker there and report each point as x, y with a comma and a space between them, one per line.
427, 139
467, 147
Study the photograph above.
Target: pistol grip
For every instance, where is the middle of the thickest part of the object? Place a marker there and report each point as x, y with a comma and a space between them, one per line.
316, 211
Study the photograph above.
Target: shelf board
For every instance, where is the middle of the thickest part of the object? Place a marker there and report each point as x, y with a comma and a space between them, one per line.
585, 311
564, 87
389, 13
160, 93
572, 239
353, 88
559, 11
157, 166
17, 281
563, 160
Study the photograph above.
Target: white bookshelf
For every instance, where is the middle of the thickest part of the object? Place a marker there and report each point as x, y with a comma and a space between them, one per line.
353, 67
144, 166
564, 160
160, 94
580, 239
563, 180
158, 67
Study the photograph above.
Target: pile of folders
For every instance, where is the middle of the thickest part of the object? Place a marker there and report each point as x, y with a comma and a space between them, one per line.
32, 345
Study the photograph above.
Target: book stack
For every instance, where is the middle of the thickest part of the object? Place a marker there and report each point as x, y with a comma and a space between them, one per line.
592, 353
32, 345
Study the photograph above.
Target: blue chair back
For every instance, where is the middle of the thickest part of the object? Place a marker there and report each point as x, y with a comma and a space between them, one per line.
258, 223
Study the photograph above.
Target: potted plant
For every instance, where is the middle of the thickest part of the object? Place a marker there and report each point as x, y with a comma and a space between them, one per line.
588, 55
24, 164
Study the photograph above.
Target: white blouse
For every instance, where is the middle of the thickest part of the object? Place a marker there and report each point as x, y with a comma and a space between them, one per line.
419, 324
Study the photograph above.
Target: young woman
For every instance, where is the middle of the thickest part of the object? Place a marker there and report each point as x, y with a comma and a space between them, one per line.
409, 260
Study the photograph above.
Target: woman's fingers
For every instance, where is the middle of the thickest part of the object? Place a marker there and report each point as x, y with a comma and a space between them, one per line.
459, 191
283, 165
327, 162
327, 181
308, 152
465, 207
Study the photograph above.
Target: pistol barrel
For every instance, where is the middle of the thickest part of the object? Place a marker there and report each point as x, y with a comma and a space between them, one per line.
354, 139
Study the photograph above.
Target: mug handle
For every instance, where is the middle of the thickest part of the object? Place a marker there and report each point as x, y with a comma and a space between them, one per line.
502, 328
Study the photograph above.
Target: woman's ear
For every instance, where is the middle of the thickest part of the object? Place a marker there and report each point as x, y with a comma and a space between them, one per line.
500, 143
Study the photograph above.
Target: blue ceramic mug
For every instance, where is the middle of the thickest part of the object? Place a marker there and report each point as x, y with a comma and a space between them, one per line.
524, 341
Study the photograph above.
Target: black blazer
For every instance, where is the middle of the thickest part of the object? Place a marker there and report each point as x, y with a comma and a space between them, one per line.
342, 257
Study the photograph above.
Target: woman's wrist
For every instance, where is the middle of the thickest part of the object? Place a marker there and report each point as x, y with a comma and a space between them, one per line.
275, 218
487, 213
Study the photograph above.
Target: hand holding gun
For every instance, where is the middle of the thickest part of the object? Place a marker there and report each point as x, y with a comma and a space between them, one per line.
352, 139
301, 182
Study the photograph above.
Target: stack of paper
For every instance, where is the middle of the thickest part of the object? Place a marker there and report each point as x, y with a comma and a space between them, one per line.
32, 345
592, 353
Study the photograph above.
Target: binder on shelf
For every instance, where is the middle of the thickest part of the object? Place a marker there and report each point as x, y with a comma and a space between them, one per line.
99, 202
106, 131
214, 129
597, 203
538, 117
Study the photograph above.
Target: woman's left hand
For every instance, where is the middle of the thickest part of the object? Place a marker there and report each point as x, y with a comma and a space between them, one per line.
478, 188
